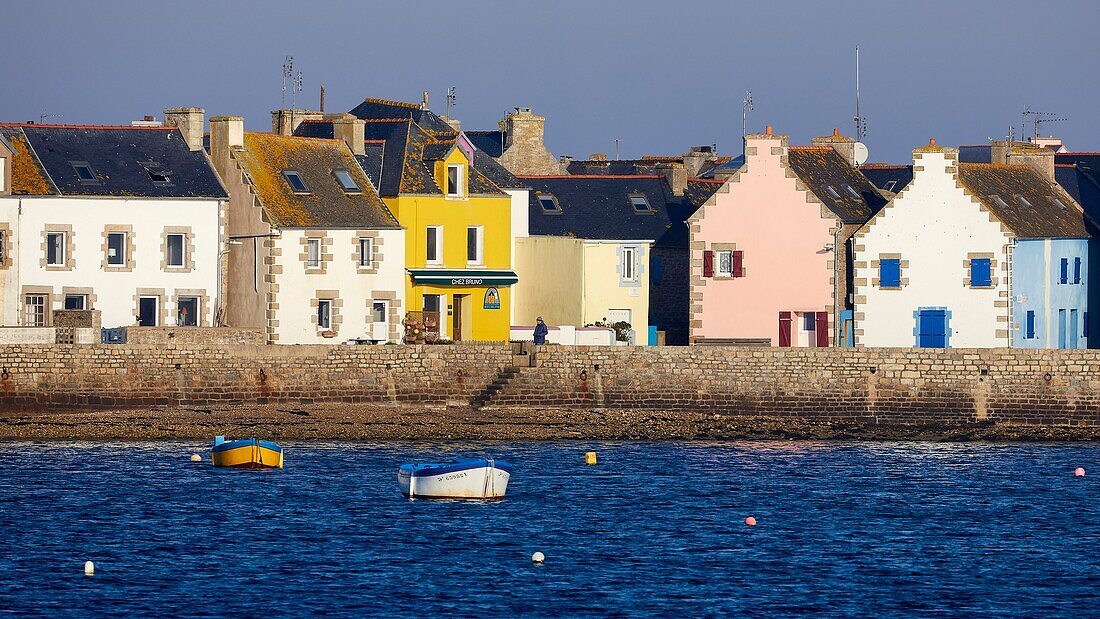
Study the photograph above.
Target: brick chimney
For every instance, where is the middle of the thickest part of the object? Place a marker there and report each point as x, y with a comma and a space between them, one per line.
676, 174
1024, 153
189, 120
697, 157
284, 122
350, 129
524, 149
226, 133
844, 145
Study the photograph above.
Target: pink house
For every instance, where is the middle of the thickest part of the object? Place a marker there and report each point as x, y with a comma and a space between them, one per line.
770, 259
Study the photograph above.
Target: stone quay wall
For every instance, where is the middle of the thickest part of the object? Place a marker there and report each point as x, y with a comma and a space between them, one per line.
863, 386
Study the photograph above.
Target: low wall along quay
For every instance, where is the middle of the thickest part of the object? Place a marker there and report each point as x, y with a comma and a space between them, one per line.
878, 386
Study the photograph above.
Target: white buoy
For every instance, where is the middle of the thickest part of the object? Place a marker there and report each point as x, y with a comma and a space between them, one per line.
89, 568
196, 458
538, 557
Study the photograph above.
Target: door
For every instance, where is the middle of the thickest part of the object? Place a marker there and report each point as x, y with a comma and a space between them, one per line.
932, 328
457, 317
785, 329
1072, 329
380, 325
1062, 326
147, 311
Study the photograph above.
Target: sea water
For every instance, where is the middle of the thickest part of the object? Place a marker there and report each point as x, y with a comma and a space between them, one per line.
655, 529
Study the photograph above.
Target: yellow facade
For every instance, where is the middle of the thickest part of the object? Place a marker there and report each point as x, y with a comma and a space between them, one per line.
454, 215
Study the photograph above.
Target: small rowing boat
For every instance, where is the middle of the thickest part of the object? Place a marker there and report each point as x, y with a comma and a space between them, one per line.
470, 478
247, 453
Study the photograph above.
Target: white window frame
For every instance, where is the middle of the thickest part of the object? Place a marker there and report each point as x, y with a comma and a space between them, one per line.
61, 248
630, 263
366, 258
198, 308
719, 256
313, 253
119, 260
168, 250
41, 314
460, 184
156, 309
324, 310
438, 246
479, 248
3, 173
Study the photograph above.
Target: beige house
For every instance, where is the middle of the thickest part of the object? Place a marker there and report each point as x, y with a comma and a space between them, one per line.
314, 255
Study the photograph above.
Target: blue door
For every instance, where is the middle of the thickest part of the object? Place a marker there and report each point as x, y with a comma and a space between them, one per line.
932, 328
1061, 328
1072, 328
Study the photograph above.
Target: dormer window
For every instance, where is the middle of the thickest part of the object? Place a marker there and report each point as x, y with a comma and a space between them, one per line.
84, 173
852, 192
295, 181
1000, 201
346, 181
1023, 201
640, 204
833, 192
454, 180
157, 174
549, 203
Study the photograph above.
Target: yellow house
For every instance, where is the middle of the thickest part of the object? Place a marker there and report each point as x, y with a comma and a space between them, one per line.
457, 221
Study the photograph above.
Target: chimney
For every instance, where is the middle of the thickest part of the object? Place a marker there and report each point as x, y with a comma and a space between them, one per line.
424, 102
767, 144
1024, 153
564, 162
350, 129
524, 150
455, 123
597, 157
285, 122
226, 133
844, 145
676, 175
696, 158
189, 120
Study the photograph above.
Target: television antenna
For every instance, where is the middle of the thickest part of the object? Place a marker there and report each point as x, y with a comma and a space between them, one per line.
746, 107
1037, 120
288, 73
44, 116
450, 100
861, 122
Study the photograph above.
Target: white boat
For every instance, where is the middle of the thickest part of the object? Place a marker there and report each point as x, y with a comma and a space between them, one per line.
470, 478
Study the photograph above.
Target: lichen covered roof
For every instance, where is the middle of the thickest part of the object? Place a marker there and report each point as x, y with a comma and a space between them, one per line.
1026, 202
265, 156
27, 176
829, 176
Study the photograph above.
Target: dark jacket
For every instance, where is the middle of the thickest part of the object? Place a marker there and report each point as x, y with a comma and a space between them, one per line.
540, 333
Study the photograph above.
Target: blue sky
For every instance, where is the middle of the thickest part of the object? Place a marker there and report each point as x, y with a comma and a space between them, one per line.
659, 76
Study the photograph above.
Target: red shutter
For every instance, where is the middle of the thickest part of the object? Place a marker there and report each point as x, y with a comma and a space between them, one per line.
822, 329
708, 263
785, 329
738, 257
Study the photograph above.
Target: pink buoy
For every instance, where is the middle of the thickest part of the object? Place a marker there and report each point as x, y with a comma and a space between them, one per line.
1079, 472
750, 521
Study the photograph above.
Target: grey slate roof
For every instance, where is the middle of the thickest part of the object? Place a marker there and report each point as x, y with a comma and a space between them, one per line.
1025, 202
599, 207
891, 178
833, 180
121, 159
1083, 184
492, 142
377, 109
977, 153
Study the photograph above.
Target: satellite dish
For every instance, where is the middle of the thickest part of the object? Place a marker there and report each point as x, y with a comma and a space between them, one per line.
860, 153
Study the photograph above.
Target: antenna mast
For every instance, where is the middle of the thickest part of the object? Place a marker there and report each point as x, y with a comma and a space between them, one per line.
1037, 119
746, 107
861, 122
450, 100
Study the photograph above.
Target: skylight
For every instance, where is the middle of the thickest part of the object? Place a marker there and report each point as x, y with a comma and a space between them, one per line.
1023, 201
157, 174
832, 191
1000, 201
549, 203
295, 181
853, 192
346, 181
84, 173
1058, 203
640, 204
890, 185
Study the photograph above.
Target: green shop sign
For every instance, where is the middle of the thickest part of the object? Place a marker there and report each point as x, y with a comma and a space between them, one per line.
463, 277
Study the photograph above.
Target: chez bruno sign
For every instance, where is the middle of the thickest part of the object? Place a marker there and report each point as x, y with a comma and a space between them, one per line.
463, 277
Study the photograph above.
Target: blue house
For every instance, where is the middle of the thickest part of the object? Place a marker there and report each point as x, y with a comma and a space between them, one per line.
1051, 293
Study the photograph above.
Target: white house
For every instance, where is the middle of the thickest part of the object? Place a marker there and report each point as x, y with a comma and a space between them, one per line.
314, 254
124, 220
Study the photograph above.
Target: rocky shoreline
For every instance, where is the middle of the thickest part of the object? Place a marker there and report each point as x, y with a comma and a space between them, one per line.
380, 422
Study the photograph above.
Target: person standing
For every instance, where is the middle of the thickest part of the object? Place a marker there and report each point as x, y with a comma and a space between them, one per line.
540, 331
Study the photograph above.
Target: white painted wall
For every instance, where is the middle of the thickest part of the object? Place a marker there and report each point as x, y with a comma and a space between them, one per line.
521, 216
114, 291
933, 224
357, 291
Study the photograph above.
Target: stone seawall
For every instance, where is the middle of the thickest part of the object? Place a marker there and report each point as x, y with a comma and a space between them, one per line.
866, 386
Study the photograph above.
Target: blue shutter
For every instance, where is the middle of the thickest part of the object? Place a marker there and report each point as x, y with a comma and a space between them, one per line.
1062, 326
1077, 270
1085, 320
932, 328
1029, 331
889, 273
1064, 279
980, 274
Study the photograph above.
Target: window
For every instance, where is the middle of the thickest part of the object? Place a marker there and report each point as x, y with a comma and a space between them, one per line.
1023, 201
157, 174
379, 312
55, 248
1063, 276
475, 244
1058, 203
640, 204
1000, 201
725, 263
324, 313
346, 181
454, 180
116, 248
435, 244
890, 185
84, 173
3, 173
852, 192
76, 301
295, 181
34, 310
3, 244
176, 250
313, 253
549, 203
432, 303
1077, 270
980, 273
889, 273
255, 264
629, 268
832, 192
187, 312
366, 252
809, 321
1029, 325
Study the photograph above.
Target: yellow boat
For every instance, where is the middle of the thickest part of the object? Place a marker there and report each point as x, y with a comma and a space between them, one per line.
248, 453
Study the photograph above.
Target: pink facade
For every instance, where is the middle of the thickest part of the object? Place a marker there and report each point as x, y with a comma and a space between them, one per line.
786, 238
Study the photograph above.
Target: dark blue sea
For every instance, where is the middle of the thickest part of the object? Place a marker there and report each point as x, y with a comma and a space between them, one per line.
655, 529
